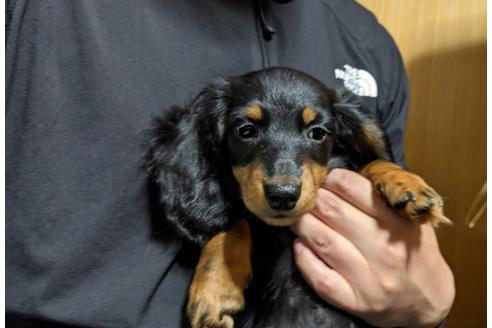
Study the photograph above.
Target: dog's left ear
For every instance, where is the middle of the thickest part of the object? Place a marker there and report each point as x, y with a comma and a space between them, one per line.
184, 161
357, 133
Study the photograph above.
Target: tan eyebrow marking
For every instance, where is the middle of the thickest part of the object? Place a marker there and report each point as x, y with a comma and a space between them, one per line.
254, 112
308, 115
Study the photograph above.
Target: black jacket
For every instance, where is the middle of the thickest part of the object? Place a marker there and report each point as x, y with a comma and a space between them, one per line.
84, 243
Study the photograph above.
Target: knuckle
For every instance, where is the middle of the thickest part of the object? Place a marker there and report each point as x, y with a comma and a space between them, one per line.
396, 254
390, 287
376, 304
328, 204
323, 243
377, 307
373, 304
346, 181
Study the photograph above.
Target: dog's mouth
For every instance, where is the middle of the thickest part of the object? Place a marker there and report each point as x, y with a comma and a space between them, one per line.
280, 219
280, 210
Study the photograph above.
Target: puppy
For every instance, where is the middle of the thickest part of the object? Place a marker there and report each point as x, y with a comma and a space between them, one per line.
240, 164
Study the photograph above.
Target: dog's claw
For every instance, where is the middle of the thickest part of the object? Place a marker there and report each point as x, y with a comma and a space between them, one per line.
402, 203
421, 210
411, 197
380, 188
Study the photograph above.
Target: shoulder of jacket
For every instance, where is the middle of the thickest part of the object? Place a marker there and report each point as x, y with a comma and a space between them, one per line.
360, 24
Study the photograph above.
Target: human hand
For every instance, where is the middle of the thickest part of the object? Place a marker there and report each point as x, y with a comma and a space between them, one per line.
361, 256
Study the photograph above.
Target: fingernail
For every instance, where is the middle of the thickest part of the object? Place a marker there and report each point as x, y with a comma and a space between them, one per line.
298, 247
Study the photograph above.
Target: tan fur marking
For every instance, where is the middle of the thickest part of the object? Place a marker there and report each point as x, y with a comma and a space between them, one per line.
308, 115
374, 137
379, 167
251, 181
319, 173
250, 178
395, 184
222, 274
312, 178
254, 112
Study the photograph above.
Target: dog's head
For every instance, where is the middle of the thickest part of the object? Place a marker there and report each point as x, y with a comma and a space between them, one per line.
278, 134
275, 130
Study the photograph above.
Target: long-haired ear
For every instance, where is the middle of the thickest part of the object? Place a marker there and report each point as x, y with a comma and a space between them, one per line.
183, 159
358, 136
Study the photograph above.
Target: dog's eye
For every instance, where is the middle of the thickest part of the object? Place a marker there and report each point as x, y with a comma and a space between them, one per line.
317, 134
247, 131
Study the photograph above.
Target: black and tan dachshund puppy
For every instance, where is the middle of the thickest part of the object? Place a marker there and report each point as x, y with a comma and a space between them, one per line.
241, 163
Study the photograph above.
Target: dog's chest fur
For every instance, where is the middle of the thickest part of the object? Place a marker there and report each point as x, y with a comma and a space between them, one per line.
277, 296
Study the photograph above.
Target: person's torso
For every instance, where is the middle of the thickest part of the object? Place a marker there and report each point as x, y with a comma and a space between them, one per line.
85, 243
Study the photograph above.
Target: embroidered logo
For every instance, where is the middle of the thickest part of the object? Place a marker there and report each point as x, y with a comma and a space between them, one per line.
360, 82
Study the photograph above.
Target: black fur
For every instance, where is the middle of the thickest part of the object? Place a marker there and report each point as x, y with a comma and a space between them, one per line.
186, 163
277, 296
190, 157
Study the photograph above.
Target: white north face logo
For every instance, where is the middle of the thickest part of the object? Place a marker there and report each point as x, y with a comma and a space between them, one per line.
360, 82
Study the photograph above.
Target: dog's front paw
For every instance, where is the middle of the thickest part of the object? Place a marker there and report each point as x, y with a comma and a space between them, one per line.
211, 306
411, 196
406, 192
222, 274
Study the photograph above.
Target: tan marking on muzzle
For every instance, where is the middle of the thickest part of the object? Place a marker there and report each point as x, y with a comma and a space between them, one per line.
313, 176
251, 180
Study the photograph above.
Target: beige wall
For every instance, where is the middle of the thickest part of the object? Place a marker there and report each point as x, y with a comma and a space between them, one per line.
443, 44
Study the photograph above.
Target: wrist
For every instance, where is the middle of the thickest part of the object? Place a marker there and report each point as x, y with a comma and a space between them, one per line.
440, 302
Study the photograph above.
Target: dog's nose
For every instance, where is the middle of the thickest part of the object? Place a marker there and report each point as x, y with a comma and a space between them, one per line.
282, 197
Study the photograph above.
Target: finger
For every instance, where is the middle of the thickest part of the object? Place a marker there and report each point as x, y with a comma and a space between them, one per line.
347, 219
357, 190
326, 282
330, 246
